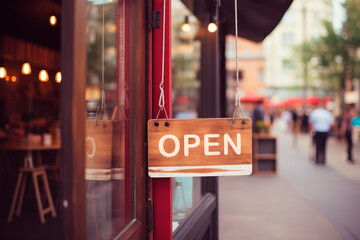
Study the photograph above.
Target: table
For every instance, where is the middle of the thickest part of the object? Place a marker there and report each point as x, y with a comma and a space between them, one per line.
29, 147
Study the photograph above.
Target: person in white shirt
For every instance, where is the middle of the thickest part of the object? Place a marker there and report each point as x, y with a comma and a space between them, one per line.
321, 121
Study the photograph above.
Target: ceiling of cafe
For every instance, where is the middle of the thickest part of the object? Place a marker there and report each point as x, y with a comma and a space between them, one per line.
256, 18
29, 20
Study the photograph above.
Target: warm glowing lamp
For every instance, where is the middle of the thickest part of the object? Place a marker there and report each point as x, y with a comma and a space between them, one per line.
212, 27
43, 76
26, 68
2, 72
186, 26
7, 78
52, 20
13, 79
58, 77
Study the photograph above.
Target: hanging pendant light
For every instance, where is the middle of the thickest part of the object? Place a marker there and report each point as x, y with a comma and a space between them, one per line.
43, 76
26, 68
212, 27
58, 77
186, 25
13, 79
2, 72
52, 20
2, 67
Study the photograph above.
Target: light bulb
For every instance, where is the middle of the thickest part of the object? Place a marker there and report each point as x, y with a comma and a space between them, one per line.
13, 79
58, 77
2, 72
43, 76
7, 78
212, 27
185, 27
26, 68
52, 20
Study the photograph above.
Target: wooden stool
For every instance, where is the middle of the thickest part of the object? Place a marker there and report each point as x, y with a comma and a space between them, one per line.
21, 183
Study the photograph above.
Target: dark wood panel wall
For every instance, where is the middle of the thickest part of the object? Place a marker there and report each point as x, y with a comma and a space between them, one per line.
14, 51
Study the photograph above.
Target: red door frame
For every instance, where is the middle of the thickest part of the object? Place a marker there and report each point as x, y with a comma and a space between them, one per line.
161, 187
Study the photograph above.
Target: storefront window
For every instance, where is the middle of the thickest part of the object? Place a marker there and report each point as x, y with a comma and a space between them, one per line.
186, 97
29, 122
108, 173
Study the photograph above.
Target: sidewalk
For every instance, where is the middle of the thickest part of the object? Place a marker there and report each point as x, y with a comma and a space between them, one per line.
303, 201
335, 154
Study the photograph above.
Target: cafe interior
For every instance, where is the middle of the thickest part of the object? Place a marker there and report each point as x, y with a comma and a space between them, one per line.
30, 80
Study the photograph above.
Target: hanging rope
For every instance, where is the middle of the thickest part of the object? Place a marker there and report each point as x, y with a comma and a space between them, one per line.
161, 85
101, 112
237, 90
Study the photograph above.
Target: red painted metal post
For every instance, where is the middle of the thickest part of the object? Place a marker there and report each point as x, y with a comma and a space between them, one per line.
162, 193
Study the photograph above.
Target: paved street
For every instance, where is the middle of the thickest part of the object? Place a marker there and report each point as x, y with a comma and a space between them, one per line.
303, 201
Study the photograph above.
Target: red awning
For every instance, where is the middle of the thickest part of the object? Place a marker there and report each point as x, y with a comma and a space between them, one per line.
313, 100
292, 102
250, 98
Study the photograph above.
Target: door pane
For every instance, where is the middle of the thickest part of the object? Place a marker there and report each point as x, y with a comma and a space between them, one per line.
108, 169
186, 91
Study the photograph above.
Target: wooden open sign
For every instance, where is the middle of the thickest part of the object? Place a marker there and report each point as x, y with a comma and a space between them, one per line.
199, 147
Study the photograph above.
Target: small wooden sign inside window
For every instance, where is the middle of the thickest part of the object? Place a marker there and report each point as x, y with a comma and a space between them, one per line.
199, 147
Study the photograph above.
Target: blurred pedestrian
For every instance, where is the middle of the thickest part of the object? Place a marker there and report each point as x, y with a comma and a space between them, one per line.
321, 121
338, 129
272, 117
295, 118
258, 116
286, 117
295, 126
346, 130
304, 126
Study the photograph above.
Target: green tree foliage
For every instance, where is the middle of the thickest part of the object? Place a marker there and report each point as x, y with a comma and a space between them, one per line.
336, 53
332, 56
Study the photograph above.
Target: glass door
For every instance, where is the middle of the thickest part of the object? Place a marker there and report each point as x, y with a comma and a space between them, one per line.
115, 120
103, 120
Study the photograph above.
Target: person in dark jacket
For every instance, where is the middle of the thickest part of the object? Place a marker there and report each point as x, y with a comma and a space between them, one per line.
346, 129
257, 116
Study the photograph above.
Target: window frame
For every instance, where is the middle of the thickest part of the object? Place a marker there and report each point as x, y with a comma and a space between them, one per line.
73, 66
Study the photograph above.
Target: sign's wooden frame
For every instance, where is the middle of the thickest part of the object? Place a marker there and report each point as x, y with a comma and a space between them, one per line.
199, 147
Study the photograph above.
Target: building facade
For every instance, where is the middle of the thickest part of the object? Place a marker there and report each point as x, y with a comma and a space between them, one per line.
302, 22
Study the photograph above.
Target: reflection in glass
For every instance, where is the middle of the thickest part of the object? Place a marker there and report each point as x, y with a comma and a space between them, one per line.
179, 205
108, 168
186, 98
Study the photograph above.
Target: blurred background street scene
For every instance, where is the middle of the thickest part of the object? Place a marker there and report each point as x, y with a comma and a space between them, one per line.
310, 61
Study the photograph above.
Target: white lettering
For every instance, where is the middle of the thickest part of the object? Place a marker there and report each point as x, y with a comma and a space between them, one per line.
187, 145
237, 147
161, 145
93, 147
207, 144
